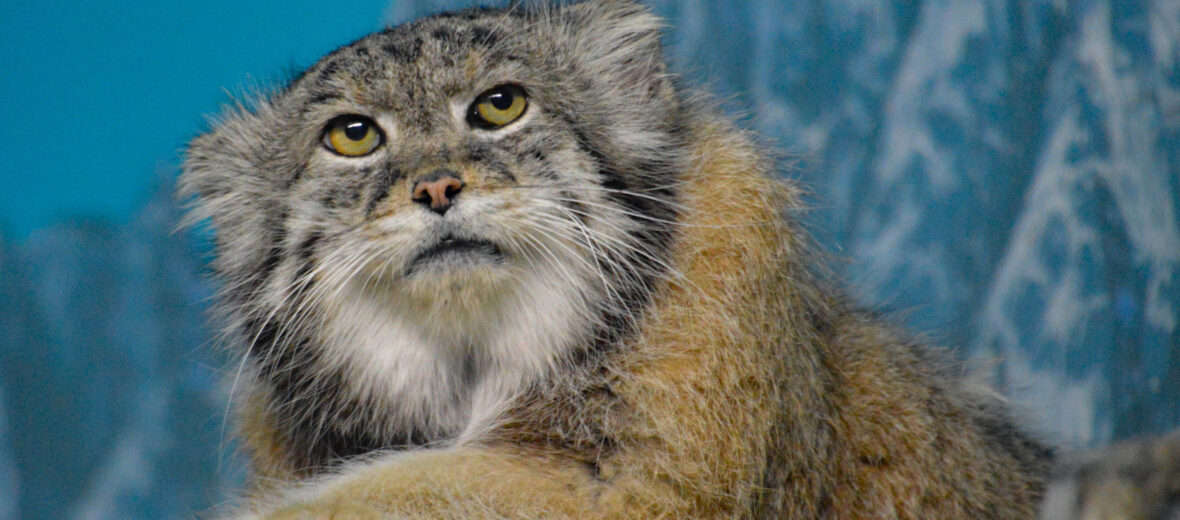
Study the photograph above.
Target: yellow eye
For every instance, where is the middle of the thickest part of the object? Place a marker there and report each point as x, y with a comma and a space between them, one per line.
352, 135
497, 107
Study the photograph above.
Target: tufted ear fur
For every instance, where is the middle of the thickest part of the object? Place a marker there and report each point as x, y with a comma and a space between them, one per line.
622, 40
626, 102
225, 181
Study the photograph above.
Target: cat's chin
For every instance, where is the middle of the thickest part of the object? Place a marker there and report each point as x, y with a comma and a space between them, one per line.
469, 277
451, 273
454, 257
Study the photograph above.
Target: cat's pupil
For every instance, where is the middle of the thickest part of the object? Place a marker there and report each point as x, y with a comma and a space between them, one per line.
356, 130
500, 100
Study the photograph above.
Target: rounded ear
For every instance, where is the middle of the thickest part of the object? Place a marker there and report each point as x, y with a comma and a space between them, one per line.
621, 40
223, 168
225, 179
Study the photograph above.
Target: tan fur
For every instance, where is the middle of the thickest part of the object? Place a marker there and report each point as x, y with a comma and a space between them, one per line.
744, 347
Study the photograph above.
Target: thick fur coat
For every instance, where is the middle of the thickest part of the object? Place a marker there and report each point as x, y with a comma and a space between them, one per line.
634, 328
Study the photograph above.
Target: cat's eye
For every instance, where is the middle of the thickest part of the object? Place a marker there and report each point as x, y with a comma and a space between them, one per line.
352, 135
497, 107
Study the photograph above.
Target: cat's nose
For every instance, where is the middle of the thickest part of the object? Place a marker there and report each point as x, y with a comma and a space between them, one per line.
437, 190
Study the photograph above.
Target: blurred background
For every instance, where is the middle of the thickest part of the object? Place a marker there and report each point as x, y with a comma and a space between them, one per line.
1003, 175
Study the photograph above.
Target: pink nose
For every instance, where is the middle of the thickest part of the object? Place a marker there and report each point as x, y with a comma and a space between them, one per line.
437, 190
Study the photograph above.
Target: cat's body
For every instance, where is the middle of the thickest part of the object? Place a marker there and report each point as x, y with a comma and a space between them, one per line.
496, 264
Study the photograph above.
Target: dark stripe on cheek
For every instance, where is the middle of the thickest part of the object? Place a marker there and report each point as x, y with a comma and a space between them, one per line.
305, 256
274, 254
341, 197
481, 155
638, 199
611, 179
540, 166
633, 287
245, 287
571, 201
296, 177
503, 170
381, 191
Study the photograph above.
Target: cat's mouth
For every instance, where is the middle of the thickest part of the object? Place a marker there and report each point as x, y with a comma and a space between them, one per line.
451, 252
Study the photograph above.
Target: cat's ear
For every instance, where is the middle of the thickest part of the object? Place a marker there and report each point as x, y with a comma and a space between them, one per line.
224, 176
621, 39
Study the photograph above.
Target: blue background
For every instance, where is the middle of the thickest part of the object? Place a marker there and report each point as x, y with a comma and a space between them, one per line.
1000, 174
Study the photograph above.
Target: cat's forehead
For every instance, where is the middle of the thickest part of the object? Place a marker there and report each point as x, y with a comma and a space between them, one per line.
443, 52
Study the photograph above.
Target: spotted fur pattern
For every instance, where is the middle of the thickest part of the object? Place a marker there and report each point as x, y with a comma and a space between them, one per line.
640, 333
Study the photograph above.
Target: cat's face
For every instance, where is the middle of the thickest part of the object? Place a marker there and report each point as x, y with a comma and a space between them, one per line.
524, 123
440, 163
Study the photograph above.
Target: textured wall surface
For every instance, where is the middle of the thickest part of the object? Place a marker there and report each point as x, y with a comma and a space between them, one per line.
1002, 174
